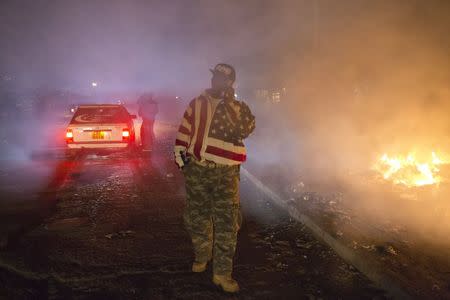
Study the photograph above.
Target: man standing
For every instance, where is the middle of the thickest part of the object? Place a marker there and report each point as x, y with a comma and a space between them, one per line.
148, 108
209, 150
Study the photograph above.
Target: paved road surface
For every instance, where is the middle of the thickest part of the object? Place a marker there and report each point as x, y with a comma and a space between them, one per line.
110, 227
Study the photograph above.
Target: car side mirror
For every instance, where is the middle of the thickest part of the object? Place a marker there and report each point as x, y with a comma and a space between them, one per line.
133, 116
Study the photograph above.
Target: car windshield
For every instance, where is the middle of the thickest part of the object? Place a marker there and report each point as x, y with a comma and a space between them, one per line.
100, 115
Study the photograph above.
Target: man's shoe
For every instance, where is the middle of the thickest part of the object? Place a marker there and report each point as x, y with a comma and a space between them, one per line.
198, 267
227, 283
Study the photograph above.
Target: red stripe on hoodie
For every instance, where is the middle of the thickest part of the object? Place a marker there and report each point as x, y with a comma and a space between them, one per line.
201, 127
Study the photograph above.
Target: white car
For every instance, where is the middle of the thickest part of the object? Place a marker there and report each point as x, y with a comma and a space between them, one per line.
101, 127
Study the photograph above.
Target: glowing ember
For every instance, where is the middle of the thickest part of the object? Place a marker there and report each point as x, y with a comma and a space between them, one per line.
409, 170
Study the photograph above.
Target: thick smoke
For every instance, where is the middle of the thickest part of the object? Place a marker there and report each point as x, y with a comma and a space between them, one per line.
373, 79
376, 80
362, 77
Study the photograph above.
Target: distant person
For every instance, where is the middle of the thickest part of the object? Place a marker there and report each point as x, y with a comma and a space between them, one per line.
148, 109
209, 150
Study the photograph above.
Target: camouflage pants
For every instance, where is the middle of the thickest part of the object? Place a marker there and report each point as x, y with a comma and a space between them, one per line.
212, 215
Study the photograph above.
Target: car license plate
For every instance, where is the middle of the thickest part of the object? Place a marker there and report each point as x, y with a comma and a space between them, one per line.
98, 135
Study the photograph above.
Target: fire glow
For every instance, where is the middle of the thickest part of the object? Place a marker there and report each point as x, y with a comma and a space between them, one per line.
409, 170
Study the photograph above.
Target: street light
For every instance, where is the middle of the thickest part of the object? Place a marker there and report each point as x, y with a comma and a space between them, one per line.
94, 84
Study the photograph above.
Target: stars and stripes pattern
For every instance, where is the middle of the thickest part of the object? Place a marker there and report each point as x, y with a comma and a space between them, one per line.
214, 135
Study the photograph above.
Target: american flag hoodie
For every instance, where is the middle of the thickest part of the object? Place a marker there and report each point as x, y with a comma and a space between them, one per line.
213, 129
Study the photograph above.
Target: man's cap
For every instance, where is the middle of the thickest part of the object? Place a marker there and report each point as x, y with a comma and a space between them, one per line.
225, 70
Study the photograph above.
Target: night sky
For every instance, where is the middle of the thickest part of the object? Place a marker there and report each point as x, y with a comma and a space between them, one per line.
127, 44
162, 44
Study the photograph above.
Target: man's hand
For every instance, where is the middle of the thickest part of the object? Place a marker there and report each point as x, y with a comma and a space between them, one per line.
179, 161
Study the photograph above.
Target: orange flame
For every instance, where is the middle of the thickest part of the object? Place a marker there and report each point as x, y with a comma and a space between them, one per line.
409, 171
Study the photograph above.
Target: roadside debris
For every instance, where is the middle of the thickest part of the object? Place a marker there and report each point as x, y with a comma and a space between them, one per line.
391, 250
298, 187
368, 247
120, 234
436, 287
386, 249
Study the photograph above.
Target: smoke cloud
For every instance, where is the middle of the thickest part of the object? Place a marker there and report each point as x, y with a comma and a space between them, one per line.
361, 77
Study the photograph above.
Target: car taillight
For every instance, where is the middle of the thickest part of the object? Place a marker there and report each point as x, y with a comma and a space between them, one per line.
69, 136
125, 134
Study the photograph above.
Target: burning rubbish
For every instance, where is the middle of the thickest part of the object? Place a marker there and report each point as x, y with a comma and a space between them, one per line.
410, 170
